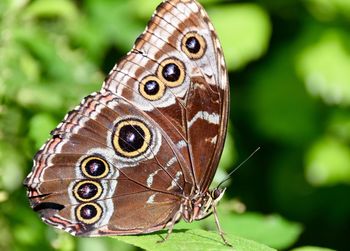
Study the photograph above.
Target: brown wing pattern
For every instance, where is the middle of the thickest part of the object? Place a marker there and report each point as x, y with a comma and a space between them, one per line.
81, 166
194, 111
123, 161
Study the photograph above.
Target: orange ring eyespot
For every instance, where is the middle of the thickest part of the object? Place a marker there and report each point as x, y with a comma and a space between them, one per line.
152, 88
87, 190
89, 213
171, 72
94, 167
193, 45
131, 138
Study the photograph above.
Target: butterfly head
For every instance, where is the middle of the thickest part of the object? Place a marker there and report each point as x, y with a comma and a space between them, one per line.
201, 205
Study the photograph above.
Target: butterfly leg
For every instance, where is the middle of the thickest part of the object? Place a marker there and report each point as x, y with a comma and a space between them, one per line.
175, 219
219, 227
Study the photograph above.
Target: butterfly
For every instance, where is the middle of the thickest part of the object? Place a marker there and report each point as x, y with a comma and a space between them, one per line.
140, 154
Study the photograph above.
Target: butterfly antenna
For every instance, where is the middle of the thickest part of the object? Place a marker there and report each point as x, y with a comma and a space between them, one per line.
234, 170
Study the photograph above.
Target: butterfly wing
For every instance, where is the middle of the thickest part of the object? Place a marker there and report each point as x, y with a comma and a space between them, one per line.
176, 73
122, 161
109, 169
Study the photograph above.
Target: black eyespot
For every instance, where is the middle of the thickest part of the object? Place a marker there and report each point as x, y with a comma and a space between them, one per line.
95, 167
131, 138
87, 190
171, 72
151, 87
193, 45
88, 212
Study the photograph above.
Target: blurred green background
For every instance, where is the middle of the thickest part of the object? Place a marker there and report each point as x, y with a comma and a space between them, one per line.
289, 65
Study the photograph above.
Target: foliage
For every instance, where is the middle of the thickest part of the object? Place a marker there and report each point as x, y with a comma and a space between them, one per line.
192, 240
289, 67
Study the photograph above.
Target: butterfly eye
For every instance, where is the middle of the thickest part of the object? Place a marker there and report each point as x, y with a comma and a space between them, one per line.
94, 167
131, 138
193, 45
152, 88
216, 193
87, 191
172, 72
89, 213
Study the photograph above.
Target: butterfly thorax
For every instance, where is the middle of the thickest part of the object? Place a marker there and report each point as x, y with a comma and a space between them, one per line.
201, 204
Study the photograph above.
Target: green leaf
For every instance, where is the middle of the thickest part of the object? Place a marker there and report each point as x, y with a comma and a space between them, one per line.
340, 125
325, 68
244, 31
229, 153
39, 127
310, 248
278, 103
108, 22
326, 10
145, 8
43, 8
102, 244
328, 162
39, 97
191, 240
272, 230
11, 165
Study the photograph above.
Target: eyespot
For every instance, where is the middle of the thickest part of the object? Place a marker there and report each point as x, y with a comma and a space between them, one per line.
87, 190
94, 167
193, 45
171, 72
88, 213
131, 138
152, 88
